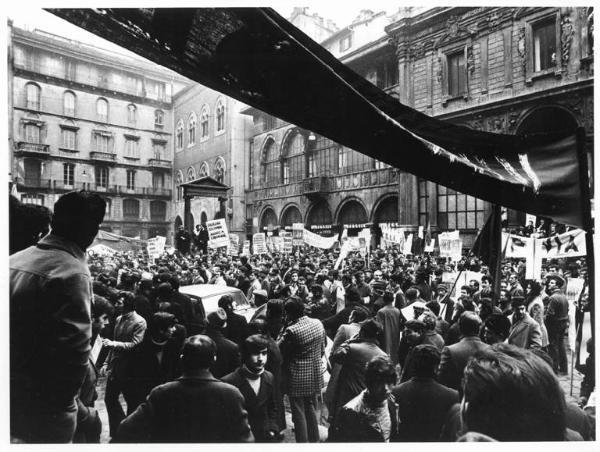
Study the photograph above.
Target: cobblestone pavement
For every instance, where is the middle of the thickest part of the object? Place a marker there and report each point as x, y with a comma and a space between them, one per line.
565, 382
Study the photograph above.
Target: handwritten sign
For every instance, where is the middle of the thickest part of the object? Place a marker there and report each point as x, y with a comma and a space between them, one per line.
217, 233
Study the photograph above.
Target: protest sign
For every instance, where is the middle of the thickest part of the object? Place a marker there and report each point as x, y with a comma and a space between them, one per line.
217, 233
234, 245
297, 234
516, 245
429, 247
287, 244
246, 248
569, 244
259, 243
155, 246
407, 249
450, 245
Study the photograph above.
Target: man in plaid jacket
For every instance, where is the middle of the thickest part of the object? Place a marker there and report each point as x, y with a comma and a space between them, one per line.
302, 346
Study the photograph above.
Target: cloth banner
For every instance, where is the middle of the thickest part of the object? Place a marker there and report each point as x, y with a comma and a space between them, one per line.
318, 241
101, 250
259, 243
217, 233
568, 244
392, 236
517, 246
234, 244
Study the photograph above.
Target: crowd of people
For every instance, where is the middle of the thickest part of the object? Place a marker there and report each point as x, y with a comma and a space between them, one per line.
374, 348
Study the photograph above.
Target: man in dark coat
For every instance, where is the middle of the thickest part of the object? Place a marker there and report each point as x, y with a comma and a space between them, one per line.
557, 322
423, 402
236, 327
196, 408
455, 357
183, 240
50, 298
257, 386
524, 331
228, 352
152, 362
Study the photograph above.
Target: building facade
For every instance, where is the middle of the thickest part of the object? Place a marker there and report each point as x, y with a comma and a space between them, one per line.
85, 118
503, 70
211, 139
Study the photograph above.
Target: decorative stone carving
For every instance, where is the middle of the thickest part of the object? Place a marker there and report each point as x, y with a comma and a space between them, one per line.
439, 73
470, 59
566, 36
513, 118
496, 124
521, 49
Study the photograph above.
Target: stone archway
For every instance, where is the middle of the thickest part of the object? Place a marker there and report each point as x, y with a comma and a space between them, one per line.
268, 220
291, 214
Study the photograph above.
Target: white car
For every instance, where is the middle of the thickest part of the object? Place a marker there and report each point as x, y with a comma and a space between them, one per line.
208, 295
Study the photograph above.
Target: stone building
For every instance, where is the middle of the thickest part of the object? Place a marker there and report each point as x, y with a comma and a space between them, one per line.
210, 140
503, 70
85, 118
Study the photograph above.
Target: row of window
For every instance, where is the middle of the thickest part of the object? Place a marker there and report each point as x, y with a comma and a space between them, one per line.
298, 160
33, 102
192, 125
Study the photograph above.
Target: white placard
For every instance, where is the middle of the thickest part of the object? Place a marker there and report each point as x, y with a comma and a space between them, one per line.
217, 233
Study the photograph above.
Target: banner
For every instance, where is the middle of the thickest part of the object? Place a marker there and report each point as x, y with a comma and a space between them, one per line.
101, 250
259, 243
392, 236
287, 244
450, 245
569, 244
407, 249
318, 241
155, 246
429, 247
217, 233
246, 248
297, 234
234, 245
574, 288
517, 246
346, 246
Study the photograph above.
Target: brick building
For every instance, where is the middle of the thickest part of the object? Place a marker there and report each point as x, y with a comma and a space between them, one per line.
503, 70
84, 117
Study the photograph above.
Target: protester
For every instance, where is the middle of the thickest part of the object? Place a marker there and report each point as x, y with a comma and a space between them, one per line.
372, 415
302, 346
228, 352
557, 322
257, 385
392, 322
524, 331
423, 402
50, 297
196, 408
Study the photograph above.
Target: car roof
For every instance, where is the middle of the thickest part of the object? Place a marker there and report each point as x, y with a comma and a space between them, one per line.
207, 290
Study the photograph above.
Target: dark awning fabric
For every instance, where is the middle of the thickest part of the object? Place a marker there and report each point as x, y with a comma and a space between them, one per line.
259, 58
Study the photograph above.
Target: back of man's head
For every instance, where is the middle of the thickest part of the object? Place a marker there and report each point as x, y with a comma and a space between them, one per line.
425, 360
198, 353
371, 329
469, 324
226, 302
160, 321
77, 216
294, 308
412, 294
513, 395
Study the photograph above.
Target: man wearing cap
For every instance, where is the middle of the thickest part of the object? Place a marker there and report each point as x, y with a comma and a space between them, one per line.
557, 322
524, 331
228, 352
50, 322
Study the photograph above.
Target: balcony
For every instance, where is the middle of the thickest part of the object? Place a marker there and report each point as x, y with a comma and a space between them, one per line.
160, 164
109, 157
316, 186
103, 188
32, 149
143, 191
33, 182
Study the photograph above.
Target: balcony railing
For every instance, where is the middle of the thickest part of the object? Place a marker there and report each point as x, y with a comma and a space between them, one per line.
36, 149
103, 156
147, 191
160, 163
315, 185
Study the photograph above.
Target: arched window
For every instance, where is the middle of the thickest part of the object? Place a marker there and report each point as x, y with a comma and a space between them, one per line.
191, 174
204, 122
102, 109
69, 103
204, 170
131, 114
179, 135
192, 129
293, 159
220, 170
178, 182
271, 165
131, 209
33, 92
158, 118
220, 113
